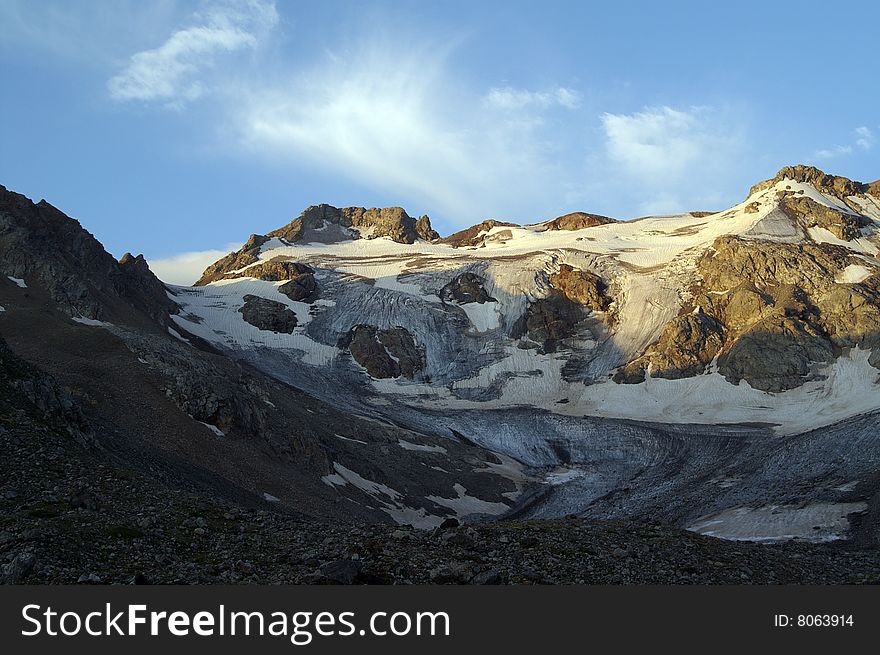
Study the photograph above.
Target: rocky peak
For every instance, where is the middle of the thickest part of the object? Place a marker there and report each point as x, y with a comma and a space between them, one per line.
475, 234
832, 185
577, 221
325, 223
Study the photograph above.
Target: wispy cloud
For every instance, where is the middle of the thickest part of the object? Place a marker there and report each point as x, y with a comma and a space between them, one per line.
393, 116
187, 267
863, 140
509, 98
677, 156
172, 72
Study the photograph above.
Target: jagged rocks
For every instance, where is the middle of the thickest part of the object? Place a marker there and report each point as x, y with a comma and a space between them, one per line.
269, 315
327, 224
139, 284
465, 288
830, 184
577, 221
475, 235
387, 353
582, 287
248, 254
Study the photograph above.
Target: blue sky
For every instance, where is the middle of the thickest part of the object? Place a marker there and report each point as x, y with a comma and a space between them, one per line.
176, 128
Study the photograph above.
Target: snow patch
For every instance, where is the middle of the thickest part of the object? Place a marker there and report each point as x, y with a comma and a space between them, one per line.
464, 505
90, 321
18, 281
406, 445
820, 522
853, 274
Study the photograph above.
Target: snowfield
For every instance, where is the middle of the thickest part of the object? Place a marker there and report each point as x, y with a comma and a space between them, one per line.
472, 363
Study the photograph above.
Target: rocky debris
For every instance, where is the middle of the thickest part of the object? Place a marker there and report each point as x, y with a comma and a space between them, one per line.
386, 353
810, 213
269, 315
832, 185
54, 403
582, 287
577, 221
248, 254
144, 289
145, 532
474, 235
372, 223
16, 571
465, 288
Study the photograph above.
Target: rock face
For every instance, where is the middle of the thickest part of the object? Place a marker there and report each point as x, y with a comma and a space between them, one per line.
474, 235
387, 353
40, 244
550, 321
582, 287
770, 314
269, 315
810, 213
465, 288
356, 222
139, 284
577, 221
830, 184
686, 346
248, 254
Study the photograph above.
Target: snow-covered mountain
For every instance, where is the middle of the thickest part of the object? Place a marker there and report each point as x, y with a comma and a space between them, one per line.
766, 313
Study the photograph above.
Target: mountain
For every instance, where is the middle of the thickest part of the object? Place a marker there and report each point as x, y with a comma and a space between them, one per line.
745, 315
711, 371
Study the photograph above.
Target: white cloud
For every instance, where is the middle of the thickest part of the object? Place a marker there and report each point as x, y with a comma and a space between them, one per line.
863, 140
172, 72
509, 98
187, 267
391, 116
672, 159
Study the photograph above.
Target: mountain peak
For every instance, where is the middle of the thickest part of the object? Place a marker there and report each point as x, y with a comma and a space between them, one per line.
833, 185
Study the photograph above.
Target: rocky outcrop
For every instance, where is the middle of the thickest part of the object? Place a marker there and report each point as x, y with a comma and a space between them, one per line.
269, 315
810, 213
144, 289
577, 221
772, 315
386, 353
582, 287
43, 246
832, 185
245, 256
302, 288
465, 288
550, 321
686, 346
354, 223
475, 235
